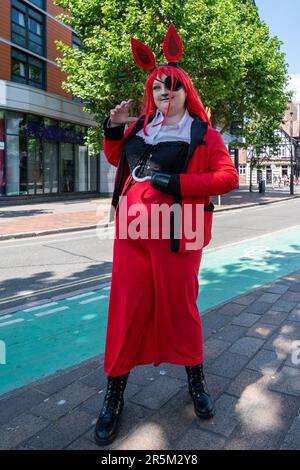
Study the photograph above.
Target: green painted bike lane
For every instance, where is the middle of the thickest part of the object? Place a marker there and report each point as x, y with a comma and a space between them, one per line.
42, 340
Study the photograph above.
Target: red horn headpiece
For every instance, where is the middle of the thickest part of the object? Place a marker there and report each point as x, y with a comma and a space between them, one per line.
172, 47
142, 55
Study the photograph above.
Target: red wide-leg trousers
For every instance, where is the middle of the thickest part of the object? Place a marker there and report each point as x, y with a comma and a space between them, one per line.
153, 315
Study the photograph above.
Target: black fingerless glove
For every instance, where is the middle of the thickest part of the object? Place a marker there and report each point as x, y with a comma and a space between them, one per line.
167, 183
113, 133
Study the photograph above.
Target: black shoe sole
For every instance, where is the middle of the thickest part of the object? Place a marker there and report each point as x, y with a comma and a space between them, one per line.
110, 439
208, 415
104, 442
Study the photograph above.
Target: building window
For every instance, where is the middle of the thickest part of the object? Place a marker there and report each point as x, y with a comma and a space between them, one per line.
35, 27
39, 3
283, 150
269, 174
284, 170
76, 43
18, 69
242, 169
27, 69
18, 17
27, 27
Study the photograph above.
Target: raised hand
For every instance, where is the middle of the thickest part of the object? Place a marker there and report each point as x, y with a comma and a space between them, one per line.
119, 115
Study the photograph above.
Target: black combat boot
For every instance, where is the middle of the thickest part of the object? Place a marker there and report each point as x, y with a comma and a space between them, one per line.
203, 403
107, 425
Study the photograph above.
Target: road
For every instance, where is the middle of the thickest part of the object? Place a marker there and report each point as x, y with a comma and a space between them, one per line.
250, 248
33, 269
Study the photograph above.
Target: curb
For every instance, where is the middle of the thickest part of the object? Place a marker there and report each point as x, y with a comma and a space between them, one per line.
89, 227
50, 232
252, 204
44, 232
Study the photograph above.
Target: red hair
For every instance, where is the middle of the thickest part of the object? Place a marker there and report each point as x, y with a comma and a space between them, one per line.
193, 102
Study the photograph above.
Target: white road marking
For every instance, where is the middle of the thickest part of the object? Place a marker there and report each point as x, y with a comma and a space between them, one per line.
80, 295
253, 208
18, 320
256, 253
43, 238
39, 306
58, 287
257, 237
5, 317
93, 299
48, 312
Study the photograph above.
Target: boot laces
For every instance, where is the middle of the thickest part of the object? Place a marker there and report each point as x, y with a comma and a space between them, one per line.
114, 395
111, 404
197, 380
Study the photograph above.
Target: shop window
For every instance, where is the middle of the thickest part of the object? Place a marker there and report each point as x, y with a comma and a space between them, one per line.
50, 167
14, 148
34, 166
35, 119
45, 156
48, 122
14, 122
66, 125
92, 173
27, 69
67, 168
27, 27
81, 168
2, 153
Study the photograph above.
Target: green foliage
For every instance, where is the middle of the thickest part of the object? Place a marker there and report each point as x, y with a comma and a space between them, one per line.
236, 66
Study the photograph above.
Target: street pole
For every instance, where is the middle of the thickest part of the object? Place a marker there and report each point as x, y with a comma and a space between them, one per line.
292, 160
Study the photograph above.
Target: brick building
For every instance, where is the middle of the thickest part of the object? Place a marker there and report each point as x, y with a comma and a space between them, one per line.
42, 127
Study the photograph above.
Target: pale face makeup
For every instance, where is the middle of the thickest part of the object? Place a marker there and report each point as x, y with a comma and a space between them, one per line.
161, 96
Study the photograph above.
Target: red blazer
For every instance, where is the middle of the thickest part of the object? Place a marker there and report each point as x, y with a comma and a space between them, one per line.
210, 172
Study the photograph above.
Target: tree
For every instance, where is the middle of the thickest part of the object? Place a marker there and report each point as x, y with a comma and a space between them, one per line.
237, 68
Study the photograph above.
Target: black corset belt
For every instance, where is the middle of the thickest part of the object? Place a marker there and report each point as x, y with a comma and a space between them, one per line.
166, 157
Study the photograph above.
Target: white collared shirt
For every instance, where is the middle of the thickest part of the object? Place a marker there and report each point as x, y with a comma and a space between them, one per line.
166, 133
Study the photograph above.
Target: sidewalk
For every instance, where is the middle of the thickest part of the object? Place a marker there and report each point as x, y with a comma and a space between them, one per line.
250, 370
64, 216
51, 217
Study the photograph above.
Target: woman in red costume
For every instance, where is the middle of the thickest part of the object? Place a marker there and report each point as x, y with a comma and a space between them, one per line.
170, 157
